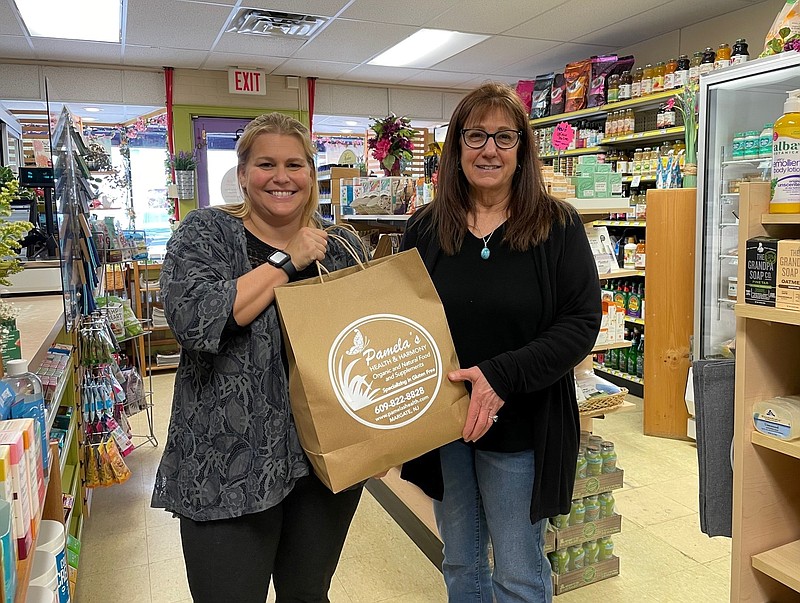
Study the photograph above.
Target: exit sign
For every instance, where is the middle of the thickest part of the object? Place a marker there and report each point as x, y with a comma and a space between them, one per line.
245, 81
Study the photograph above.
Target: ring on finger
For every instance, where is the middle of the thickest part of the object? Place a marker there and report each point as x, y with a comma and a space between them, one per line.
494, 418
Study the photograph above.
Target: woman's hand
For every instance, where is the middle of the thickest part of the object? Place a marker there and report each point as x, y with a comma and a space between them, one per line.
308, 245
483, 403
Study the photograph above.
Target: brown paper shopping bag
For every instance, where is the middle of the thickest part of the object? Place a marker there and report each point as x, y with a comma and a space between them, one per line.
369, 351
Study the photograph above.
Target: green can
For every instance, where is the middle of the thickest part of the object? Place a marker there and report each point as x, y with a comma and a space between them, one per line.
577, 512
576, 557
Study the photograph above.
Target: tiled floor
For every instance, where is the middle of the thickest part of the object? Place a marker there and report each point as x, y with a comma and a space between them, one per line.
132, 552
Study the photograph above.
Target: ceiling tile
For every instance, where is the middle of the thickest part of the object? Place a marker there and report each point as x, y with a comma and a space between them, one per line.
353, 41
404, 12
494, 53
320, 8
274, 46
224, 60
147, 56
78, 51
158, 23
578, 17
304, 68
9, 25
446, 79
379, 74
553, 59
488, 17
15, 47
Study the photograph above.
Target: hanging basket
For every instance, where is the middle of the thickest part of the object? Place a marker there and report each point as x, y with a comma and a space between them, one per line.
184, 180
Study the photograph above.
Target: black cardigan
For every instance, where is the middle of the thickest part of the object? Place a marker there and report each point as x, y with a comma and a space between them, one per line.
540, 371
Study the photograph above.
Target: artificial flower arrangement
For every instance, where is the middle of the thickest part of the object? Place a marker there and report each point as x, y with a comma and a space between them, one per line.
183, 161
392, 142
687, 105
10, 232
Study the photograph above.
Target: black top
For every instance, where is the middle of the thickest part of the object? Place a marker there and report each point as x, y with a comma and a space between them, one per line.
258, 251
525, 319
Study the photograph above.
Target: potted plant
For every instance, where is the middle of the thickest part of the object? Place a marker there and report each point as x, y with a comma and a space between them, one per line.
10, 232
183, 164
392, 144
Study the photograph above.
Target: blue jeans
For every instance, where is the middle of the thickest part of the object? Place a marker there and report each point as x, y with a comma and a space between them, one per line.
487, 495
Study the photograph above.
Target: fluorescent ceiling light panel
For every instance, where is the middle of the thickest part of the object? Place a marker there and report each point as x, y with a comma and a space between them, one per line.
92, 109
426, 47
94, 20
350, 122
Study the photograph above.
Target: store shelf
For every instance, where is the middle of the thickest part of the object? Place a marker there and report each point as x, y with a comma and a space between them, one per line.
572, 153
780, 218
157, 328
601, 206
765, 313
24, 566
621, 274
636, 321
642, 179
620, 345
59, 393
73, 427
791, 448
652, 100
627, 223
747, 161
662, 134
781, 564
616, 373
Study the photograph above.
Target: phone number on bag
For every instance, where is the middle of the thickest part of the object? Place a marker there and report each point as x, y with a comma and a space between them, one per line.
397, 401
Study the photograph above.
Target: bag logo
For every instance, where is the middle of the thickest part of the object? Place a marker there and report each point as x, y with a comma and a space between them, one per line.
385, 370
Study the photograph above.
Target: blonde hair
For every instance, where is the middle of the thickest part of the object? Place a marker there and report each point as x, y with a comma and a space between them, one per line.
276, 123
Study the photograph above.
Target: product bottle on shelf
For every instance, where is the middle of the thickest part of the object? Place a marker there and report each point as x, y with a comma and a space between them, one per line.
669, 74
723, 58
640, 255
740, 53
786, 158
682, 71
694, 67
28, 402
630, 121
633, 353
765, 142
738, 145
647, 80
636, 83
625, 83
613, 89
640, 357
659, 72
629, 260
751, 144
707, 62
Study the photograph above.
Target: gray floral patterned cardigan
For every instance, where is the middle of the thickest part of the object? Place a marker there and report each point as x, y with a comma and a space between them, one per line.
232, 447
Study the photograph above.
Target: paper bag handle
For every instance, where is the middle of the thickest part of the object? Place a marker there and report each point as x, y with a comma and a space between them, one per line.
349, 248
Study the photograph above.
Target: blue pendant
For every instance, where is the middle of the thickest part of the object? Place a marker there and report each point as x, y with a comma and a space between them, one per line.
485, 253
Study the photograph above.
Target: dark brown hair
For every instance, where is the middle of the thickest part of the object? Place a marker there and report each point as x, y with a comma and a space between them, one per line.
531, 211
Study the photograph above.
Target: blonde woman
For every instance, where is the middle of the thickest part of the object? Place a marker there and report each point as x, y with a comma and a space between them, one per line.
233, 471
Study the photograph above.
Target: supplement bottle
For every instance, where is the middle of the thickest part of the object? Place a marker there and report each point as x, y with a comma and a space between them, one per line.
751, 144
765, 142
723, 58
629, 261
738, 145
682, 71
647, 80
786, 158
740, 53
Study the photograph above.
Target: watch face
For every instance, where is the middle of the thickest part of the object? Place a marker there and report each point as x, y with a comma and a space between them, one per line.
278, 257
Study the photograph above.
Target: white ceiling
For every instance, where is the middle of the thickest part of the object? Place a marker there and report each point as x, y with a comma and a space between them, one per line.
527, 37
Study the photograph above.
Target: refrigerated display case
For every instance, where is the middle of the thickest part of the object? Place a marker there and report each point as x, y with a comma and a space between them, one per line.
740, 98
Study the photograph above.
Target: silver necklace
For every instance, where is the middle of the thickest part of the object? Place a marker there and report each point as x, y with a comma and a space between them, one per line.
485, 252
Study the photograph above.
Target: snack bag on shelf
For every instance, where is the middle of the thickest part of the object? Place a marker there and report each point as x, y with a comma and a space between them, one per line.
558, 94
576, 76
524, 90
785, 28
540, 99
601, 68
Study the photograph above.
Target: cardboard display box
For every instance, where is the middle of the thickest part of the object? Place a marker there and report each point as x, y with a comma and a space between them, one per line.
590, 530
787, 282
590, 574
589, 486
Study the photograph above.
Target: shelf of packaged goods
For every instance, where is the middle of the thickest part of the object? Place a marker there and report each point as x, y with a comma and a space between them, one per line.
791, 448
626, 223
662, 134
73, 427
608, 205
652, 100
616, 373
780, 218
767, 314
572, 153
634, 320
24, 566
621, 274
781, 564
619, 345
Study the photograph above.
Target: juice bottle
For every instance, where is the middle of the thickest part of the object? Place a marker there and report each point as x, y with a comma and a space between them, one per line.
659, 71
640, 358
740, 53
577, 512
694, 67
613, 89
639, 262
669, 74
594, 467
647, 80
707, 62
682, 71
723, 58
606, 548
591, 552
786, 158
609, 456
636, 83
592, 509
625, 81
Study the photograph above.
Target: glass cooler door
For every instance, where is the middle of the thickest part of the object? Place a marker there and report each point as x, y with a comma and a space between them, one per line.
737, 99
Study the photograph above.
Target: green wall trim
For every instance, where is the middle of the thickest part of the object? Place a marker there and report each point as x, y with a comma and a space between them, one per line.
183, 136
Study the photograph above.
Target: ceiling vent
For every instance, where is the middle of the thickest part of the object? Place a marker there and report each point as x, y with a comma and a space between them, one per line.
272, 23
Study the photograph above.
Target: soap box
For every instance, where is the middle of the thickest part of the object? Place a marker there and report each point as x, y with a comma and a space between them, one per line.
761, 256
787, 285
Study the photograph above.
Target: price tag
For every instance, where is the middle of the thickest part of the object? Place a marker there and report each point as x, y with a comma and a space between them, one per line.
563, 135
635, 181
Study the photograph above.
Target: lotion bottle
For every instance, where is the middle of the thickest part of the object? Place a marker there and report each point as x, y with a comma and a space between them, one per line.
785, 183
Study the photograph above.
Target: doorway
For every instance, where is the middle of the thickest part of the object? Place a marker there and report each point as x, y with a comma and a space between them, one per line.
215, 139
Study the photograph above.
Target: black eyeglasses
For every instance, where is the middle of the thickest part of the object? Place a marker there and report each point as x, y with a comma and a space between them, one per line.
476, 138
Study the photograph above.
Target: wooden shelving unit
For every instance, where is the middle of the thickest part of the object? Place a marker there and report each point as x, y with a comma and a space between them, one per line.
621, 273
329, 183
765, 552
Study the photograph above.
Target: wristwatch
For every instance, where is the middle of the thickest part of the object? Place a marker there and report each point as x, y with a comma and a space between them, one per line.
282, 260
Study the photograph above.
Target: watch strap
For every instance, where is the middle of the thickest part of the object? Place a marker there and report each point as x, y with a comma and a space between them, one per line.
289, 268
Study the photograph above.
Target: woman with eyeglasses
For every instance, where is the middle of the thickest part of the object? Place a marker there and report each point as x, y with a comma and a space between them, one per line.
518, 282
